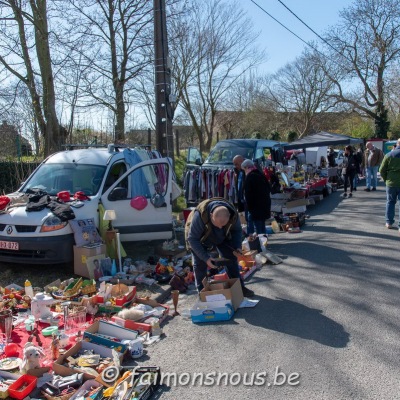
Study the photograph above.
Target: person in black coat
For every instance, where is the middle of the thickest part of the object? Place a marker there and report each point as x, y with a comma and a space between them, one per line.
349, 169
257, 195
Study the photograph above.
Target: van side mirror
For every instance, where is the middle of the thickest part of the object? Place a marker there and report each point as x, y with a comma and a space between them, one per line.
198, 161
118, 193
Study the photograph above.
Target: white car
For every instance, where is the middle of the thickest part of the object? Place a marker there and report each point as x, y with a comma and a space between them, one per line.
110, 177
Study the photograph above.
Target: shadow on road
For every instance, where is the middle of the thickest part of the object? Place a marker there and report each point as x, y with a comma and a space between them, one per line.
295, 319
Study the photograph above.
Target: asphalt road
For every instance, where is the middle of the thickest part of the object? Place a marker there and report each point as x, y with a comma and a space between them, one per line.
327, 317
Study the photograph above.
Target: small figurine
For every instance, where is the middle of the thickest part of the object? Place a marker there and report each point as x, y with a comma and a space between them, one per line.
35, 334
31, 359
79, 337
55, 347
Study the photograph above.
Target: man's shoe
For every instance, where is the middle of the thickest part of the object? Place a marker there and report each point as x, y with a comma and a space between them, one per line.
344, 194
390, 226
355, 189
367, 189
374, 189
350, 194
247, 292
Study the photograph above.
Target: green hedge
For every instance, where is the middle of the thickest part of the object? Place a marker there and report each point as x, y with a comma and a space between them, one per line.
12, 174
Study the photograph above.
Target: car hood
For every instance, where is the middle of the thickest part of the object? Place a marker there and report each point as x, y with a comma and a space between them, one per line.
16, 214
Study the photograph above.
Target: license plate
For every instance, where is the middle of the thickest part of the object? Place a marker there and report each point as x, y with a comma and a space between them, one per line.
9, 245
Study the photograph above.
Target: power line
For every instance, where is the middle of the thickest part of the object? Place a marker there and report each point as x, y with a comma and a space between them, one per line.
294, 34
312, 30
280, 23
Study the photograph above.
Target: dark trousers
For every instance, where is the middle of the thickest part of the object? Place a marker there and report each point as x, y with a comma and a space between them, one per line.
349, 180
255, 224
231, 266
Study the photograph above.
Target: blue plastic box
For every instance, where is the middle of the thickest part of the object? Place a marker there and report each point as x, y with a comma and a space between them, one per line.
221, 310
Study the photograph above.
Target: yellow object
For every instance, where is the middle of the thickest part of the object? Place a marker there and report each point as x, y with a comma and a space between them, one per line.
242, 263
28, 289
110, 390
275, 227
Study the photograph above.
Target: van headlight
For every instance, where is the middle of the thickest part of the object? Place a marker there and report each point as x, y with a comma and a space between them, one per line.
52, 223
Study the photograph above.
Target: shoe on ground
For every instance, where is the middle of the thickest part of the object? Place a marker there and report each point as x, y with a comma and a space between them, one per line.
390, 226
247, 292
373, 189
344, 194
350, 194
355, 189
367, 189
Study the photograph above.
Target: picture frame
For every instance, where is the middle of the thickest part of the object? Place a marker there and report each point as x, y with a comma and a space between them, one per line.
94, 266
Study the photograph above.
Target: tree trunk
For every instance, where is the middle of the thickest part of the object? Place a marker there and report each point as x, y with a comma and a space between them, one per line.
52, 137
120, 114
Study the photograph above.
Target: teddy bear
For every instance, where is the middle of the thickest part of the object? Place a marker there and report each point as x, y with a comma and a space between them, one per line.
31, 359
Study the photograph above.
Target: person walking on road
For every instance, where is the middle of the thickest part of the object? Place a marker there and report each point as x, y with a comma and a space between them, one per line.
215, 223
349, 169
390, 173
257, 194
359, 156
372, 160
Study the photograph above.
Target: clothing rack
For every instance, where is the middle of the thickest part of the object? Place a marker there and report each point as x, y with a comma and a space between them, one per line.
203, 183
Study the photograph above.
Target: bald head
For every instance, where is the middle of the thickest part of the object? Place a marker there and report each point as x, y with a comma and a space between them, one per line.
237, 162
220, 216
369, 145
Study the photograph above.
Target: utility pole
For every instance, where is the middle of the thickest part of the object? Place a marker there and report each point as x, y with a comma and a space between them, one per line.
164, 111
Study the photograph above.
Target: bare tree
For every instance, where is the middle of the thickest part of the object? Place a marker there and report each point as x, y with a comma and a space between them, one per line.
120, 32
211, 47
300, 89
25, 55
366, 43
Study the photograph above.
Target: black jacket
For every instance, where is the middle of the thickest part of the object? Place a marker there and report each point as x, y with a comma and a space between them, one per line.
257, 194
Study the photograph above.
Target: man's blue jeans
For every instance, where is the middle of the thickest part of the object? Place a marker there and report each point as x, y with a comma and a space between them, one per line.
372, 176
392, 195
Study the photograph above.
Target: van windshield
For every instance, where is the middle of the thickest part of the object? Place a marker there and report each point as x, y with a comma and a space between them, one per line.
54, 178
225, 154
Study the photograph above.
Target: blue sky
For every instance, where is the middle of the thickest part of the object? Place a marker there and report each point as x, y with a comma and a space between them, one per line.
281, 46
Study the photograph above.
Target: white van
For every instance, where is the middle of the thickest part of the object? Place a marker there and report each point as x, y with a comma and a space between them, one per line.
110, 176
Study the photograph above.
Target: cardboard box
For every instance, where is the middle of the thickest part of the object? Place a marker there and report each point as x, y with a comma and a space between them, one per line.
81, 255
109, 331
286, 210
137, 325
60, 369
297, 203
212, 311
230, 289
120, 303
277, 204
280, 196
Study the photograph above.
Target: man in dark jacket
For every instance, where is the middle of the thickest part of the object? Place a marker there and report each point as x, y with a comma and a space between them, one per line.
257, 195
215, 224
390, 173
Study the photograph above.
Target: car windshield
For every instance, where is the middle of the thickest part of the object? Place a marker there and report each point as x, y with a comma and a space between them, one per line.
225, 154
54, 178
